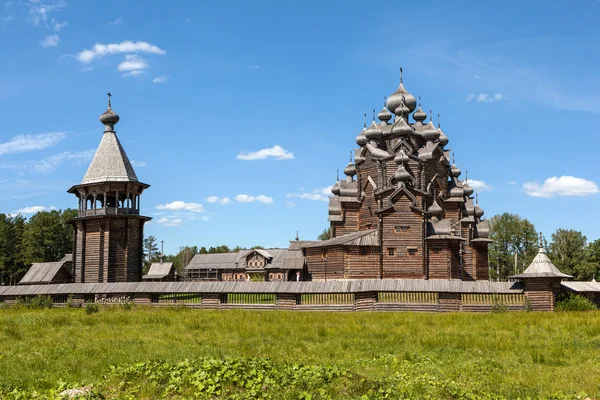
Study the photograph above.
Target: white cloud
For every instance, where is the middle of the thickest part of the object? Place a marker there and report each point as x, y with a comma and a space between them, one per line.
50, 163
244, 198
277, 152
512, 182
133, 65
34, 209
7, 19
486, 98
255, 66
58, 26
181, 206
479, 186
161, 79
117, 21
170, 221
49, 41
138, 163
316, 195
477, 77
220, 200
100, 50
23, 143
39, 12
563, 186
290, 204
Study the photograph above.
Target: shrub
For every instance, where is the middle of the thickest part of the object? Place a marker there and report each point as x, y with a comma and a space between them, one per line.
574, 302
498, 305
36, 302
70, 303
91, 308
128, 305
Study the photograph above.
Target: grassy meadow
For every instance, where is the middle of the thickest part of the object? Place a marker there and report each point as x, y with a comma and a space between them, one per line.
312, 354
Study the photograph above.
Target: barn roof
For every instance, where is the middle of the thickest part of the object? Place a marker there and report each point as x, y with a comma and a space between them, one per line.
592, 286
45, 272
159, 270
361, 238
277, 259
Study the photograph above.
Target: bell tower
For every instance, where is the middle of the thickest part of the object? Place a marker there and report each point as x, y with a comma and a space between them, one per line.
109, 229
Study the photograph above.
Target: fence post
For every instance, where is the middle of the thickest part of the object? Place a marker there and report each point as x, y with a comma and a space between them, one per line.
211, 301
449, 302
365, 301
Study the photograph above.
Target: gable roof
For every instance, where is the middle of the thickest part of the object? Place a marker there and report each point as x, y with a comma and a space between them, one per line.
159, 270
361, 238
110, 163
45, 272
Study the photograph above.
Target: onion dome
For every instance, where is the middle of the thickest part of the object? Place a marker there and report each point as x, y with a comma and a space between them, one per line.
396, 98
478, 210
435, 209
335, 189
373, 132
361, 139
443, 137
402, 109
467, 189
109, 118
430, 132
420, 115
457, 191
384, 115
454, 170
401, 128
350, 169
401, 158
402, 175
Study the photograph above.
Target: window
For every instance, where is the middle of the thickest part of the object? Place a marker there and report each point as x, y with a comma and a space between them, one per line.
436, 251
411, 251
365, 250
324, 254
391, 251
401, 228
369, 226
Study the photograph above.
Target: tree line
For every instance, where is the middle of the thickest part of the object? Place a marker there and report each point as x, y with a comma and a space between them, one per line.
46, 236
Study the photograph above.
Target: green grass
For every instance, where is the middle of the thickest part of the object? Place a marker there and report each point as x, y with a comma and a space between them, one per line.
509, 354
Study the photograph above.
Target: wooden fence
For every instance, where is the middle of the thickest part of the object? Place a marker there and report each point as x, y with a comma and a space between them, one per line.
365, 295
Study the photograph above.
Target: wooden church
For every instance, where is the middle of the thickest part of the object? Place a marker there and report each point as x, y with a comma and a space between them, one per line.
108, 230
403, 210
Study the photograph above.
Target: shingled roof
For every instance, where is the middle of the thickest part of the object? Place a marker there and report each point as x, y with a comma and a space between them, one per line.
48, 272
110, 163
541, 267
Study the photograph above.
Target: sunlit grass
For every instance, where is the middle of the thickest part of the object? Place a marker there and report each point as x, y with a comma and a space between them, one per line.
514, 354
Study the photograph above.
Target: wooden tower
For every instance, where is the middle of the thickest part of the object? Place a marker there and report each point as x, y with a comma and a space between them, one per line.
109, 229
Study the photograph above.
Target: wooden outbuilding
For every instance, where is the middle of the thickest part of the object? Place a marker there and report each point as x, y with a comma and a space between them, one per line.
49, 272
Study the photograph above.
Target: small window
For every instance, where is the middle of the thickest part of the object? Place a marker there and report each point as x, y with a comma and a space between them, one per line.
324, 254
369, 226
401, 228
436, 251
391, 251
365, 250
411, 251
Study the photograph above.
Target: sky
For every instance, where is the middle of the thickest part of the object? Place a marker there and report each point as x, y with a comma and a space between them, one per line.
239, 113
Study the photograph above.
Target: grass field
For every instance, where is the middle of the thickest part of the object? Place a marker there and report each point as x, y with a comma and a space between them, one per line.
511, 355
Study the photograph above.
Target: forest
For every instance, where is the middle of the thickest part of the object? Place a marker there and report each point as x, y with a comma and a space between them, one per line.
46, 236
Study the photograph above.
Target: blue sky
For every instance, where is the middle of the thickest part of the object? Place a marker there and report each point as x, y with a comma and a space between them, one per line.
203, 86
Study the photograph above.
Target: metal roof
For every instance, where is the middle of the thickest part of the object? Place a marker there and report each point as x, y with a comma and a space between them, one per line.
340, 286
238, 260
110, 163
541, 267
360, 238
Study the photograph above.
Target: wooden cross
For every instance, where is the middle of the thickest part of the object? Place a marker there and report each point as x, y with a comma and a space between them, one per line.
109, 96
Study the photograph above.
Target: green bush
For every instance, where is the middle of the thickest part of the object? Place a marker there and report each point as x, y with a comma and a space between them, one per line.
91, 308
498, 305
574, 302
128, 305
36, 303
